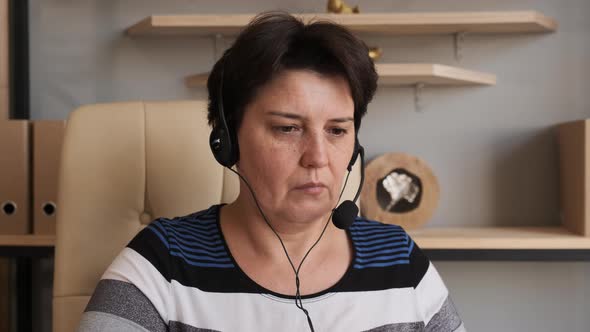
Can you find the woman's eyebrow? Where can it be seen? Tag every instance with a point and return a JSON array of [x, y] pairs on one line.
[[299, 117], [341, 120], [286, 115]]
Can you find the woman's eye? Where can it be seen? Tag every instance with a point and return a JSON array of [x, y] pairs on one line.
[[338, 131], [286, 129]]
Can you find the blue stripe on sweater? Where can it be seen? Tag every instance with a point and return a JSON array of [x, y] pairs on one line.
[[379, 245]]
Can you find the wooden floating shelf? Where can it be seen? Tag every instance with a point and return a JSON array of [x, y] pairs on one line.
[[388, 23], [512, 238], [405, 75], [29, 240], [433, 74], [197, 80]]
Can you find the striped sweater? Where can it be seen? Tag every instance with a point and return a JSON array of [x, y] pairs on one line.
[[178, 275]]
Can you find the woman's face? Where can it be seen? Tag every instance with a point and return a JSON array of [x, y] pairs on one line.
[[296, 140]]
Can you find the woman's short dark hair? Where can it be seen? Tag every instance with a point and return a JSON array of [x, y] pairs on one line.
[[276, 41]]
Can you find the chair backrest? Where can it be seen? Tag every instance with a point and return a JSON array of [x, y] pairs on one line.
[[123, 165]]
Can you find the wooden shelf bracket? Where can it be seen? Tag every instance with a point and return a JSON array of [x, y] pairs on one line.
[[458, 41], [418, 88]]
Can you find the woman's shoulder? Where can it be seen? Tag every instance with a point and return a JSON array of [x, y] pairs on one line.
[[202, 221], [367, 230], [199, 227], [193, 240], [371, 235], [205, 216], [381, 245]]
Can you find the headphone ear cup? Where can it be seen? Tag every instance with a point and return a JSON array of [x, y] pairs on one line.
[[355, 154], [222, 148]]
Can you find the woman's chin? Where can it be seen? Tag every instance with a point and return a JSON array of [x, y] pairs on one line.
[[309, 210]]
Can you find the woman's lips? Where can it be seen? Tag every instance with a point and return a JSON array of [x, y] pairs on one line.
[[312, 188]]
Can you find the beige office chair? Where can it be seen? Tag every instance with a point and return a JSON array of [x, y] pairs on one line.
[[123, 165]]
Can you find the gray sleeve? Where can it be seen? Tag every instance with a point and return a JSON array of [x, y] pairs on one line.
[[461, 328], [94, 321], [446, 319], [120, 306]]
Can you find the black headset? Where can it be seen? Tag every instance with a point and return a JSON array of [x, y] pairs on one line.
[[221, 140]]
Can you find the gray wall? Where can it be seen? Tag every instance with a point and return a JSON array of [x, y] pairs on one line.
[[492, 148]]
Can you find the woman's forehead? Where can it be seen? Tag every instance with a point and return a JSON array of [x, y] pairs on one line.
[[305, 94]]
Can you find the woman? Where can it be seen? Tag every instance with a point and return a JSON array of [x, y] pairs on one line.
[[286, 102]]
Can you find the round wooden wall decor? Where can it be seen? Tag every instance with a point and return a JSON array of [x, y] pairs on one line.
[[399, 189]]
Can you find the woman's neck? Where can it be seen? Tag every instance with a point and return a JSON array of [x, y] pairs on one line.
[[243, 218], [260, 255]]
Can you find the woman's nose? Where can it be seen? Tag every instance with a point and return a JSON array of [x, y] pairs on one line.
[[315, 154]]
